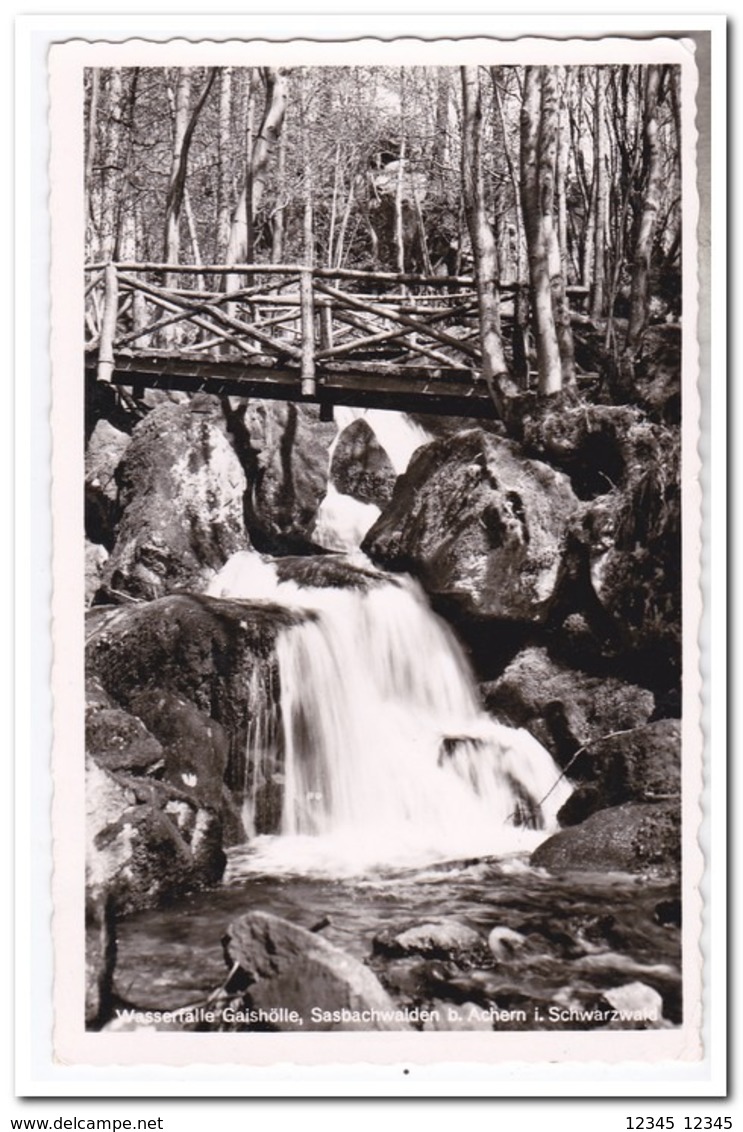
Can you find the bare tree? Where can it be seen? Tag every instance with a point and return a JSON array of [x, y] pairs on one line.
[[534, 167], [495, 369], [184, 125], [600, 197], [241, 241], [640, 294], [224, 209]]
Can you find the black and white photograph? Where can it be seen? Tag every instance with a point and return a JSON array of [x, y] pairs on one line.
[[380, 494]]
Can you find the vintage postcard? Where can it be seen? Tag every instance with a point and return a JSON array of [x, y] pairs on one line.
[[377, 511]]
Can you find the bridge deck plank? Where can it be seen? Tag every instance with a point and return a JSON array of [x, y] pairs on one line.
[[364, 385]]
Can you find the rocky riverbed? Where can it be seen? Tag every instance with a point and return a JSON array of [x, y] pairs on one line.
[[554, 558]]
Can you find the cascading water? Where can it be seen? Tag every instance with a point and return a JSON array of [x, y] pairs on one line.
[[387, 758], [342, 521]]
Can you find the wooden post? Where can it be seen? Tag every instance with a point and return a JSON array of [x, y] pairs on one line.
[[326, 325], [308, 332], [108, 324]]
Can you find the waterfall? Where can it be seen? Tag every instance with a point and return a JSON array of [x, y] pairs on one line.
[[387, 757], [342, 521]]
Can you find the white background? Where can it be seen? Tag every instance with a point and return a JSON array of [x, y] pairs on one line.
[[32, 958]]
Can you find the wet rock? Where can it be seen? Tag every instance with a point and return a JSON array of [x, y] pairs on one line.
[[330, 570], [120, 741], [594, 444], [96, 557], [626, 549], [481, 986], [217, 654], [668, 913], [284, 449], [105, 451], [633, 838], [635, 1002], [360, 467], [640, 765], [562, 707], [415, 979], [195, 747], [479, 524], [503, 942], [181, 497], [281, 963], [633, 543], [442, 939], [146, 842]]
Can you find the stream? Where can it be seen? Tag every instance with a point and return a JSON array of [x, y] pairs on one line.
[[584, 934], [402, 802]]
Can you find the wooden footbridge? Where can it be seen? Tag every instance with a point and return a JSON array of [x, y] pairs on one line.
[[325, 335]]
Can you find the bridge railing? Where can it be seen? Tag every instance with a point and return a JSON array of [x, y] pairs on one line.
[[311, 319]]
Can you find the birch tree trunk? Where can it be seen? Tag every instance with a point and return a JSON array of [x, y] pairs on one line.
[[277, 237], [640, 293], [171, 248], [441, 129], [242, 226], [537, 240], [108, 224], [601, 181], [241, 241], [548, 140], [519, 234], [307, 313], [91, 152], [563, 153], [184, 126], [224, 209], [495, 370], [399, 228]]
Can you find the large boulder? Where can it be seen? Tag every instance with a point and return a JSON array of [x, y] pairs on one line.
[[217, 657], [281, 964], [480, 524], [641, 765], [195, 747], [103, 455], [146, 841], [440, 939], [564, 708], [628, 537], [360, 467], [627, 540], [284, 449], [118, 740], [633, 542], [601, 447], [181, 497], [633, 838]]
